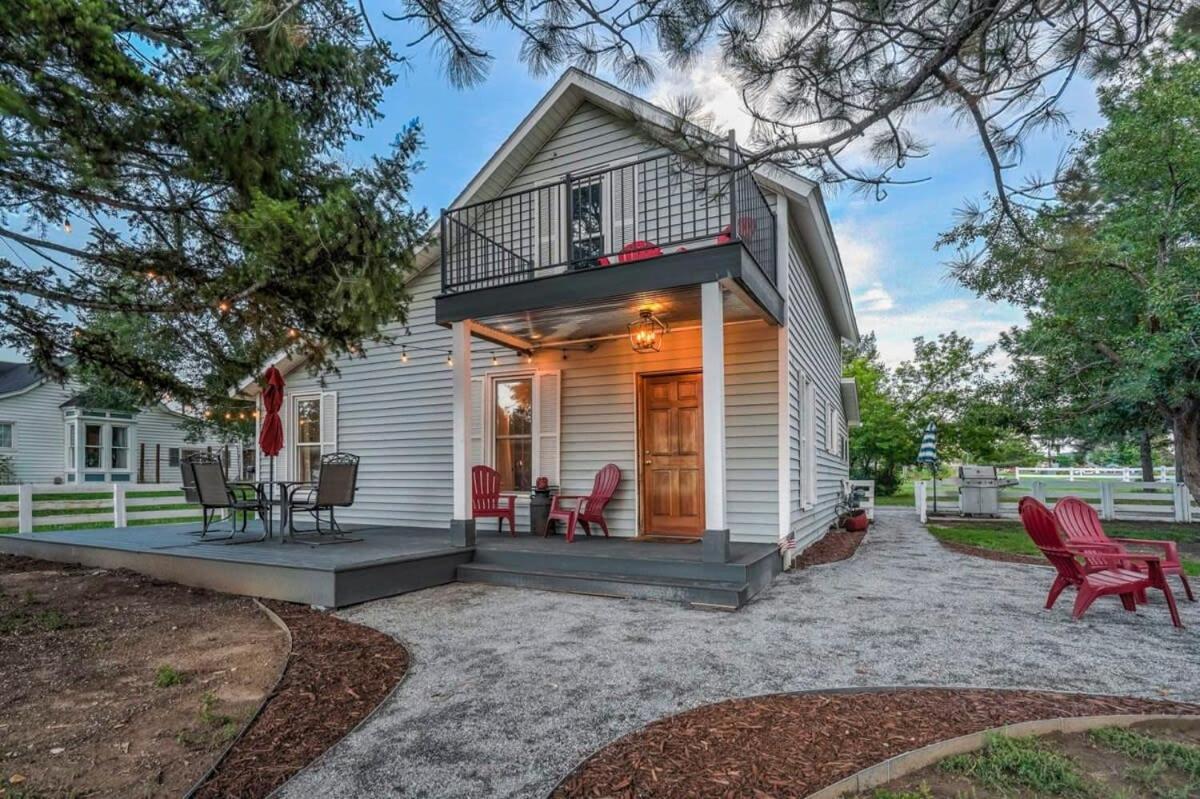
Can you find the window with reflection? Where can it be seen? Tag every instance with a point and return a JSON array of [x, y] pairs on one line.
[[587, 238], [513, 426], [308, 438], [119, 450], [93, 446]]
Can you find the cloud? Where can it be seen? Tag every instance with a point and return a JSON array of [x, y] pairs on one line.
[[874, 300], [978, 319]]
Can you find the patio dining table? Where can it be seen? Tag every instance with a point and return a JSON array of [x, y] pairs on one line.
[[271, 494]]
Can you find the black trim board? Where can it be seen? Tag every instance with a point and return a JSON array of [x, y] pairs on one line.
[[676, 270]]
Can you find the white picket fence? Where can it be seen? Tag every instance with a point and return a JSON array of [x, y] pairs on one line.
[[1119, 501], [1126, 474], [39, 506]]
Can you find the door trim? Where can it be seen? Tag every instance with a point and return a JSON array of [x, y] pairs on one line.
[[640, 415]]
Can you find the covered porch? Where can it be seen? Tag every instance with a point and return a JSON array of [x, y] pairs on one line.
[[654, 404]]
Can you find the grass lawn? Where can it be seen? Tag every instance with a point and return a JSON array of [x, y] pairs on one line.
[[1010, 537]]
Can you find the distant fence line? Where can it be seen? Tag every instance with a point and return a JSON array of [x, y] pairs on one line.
[[1117, 501], [27, 507], [1126, 474]]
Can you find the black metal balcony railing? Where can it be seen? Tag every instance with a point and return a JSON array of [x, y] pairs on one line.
[[657, 206]]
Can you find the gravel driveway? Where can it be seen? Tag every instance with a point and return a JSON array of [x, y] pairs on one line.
[[510, 688]]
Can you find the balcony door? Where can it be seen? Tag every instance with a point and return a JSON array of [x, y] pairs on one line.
[[671, 446]]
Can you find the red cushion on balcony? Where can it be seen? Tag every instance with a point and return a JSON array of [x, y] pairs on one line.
[[639, 251]]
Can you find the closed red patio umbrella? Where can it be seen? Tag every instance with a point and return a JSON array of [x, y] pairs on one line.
[[270, 436]]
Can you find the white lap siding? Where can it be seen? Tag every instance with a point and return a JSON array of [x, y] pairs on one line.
[[813, 352], [396, 417], [38, 454]]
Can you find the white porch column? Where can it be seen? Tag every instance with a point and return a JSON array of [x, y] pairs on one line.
[[783, 370], [462, 526], [712, 333]]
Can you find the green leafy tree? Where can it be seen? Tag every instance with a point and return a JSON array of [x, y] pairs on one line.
[[947, 381], [174, 206], [1109, 274], [885, 441]]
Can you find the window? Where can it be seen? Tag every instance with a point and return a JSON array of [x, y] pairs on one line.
[[6, 435], [308, 438], [118, 451], [71, 464], [587, 239], [513, 437], [173, 456], [93, 446]]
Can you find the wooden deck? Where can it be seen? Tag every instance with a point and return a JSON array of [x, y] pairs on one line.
[[396, 560]]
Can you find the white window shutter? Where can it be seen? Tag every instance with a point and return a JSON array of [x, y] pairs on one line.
[[810, 401], [831, 429], [329, 422], [477, 413], [620, 211], [550, 217], [547, 431]]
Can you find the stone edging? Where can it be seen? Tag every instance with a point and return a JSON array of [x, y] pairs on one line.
[[287, 659], [917, 759]]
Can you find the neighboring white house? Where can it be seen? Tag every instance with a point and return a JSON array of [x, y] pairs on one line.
[[51, 438], [519, 351]]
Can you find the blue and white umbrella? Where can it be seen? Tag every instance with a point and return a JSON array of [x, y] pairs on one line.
[[928, 452]]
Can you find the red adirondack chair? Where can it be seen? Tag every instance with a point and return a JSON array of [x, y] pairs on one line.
[[1081, 525], [1090, 585], [486, 502], [587, 509]]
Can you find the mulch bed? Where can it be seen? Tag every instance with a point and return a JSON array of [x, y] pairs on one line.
[[789, 745], [836, 545], [991, 554], [337, 674]]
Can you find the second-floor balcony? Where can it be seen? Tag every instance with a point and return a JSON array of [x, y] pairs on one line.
[[651, 224]]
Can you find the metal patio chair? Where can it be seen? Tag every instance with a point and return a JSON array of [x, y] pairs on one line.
[[337, 482], [214, 494]]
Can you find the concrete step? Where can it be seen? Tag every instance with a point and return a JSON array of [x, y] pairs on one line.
[[723, 595]]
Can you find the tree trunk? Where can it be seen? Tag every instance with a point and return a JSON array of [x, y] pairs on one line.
[[1186, 422], [1147, 453]]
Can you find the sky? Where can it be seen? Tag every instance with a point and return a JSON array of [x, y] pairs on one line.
[[897, 278]]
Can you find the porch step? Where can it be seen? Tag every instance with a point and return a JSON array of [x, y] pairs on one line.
[[750, 565], [709, 593]]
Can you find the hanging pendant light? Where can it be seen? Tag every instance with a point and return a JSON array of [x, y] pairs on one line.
[[645, 335]]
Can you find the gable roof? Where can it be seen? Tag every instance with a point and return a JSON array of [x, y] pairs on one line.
[[571, 90], [576, 87], [17, 377]]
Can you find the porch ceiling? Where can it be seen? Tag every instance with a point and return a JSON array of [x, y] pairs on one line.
[[610, 316]]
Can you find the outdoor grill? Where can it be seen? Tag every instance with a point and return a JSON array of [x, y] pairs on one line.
[[979, 490]]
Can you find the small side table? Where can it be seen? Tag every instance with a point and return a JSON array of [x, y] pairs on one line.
[[539, 511]]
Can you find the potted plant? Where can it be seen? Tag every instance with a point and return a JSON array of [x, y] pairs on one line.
[[851, 517]]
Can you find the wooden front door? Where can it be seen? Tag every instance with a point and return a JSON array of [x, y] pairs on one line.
[[671, 445]]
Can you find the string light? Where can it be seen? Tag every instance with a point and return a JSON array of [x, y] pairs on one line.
[[228, 416], [67, 226], [150, 275], [495, 360], [404, 355], [223, 307], [293, 332], [242, 415], [449, 359], [208, 414], [529, 357]]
